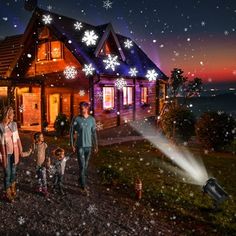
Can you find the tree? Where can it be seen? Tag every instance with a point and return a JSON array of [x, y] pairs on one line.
[[192, 88], [178, 123], [178, 83], [215, 130]]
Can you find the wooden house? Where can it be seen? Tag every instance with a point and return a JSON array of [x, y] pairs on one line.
[[59, 62]]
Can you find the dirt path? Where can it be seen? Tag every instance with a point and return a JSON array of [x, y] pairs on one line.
[[104, 212]]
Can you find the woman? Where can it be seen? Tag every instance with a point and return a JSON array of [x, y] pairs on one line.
[[10, 151]]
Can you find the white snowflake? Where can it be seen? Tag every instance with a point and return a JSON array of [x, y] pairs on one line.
[[99, 126], [78, 25], [99, 95], [21, 108], [151, 75], [107, 4], [21, 220], [70, 72], [203, 23], [90, 38], [133, 72], [88, 69], [226, 32], [81, 93], [128, 44], [92, 209], [49, 7], [120, 83], [47, 19], [111, 62]]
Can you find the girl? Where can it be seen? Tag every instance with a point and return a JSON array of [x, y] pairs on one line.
[[10, 152], [42, 162]]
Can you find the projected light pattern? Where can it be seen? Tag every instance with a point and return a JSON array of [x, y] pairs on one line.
[[192, 169]]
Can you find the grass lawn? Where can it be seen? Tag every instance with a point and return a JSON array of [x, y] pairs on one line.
[[120, 164]]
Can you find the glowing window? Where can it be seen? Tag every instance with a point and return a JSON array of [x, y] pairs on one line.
[[42, 52], [127, 96], [108, 98], [144, 95], [56, 52]]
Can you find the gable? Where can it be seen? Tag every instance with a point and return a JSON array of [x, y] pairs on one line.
[[109, 44]]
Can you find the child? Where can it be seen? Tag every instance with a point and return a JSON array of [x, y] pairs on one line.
[[59, 169], [43, 162]]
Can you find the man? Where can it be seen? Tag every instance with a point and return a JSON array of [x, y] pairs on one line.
[[84, 126]]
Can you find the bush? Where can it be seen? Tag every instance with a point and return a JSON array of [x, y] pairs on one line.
[[62, 124], [178, 123], [215, 130]]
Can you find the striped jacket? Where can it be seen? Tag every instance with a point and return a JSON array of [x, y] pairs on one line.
[[17, 147]]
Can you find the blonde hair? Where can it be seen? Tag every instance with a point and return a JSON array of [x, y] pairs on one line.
[[6, 111]]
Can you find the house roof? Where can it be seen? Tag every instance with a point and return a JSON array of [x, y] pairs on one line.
[[9, 48], [63, 28]]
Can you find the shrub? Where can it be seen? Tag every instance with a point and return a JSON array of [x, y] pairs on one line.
[[215, 130], [178, 123], [61, 124]]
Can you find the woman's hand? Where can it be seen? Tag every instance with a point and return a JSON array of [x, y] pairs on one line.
[[73, 148]]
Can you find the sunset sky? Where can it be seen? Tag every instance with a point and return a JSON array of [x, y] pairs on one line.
[[198, 36]]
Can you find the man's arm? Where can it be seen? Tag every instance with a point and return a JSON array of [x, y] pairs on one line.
[[94, 136]]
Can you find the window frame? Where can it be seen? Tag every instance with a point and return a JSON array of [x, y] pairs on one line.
[[132, 96], [141, 95], [112, 96], [61, 50], [48, 45]]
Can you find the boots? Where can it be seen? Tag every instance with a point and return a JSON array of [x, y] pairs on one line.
[[13, 190], [8, 196], [45, 192]]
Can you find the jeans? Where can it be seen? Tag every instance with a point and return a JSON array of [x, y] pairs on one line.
[[9, 172], [41, 176], [84, 154], [58, 181]]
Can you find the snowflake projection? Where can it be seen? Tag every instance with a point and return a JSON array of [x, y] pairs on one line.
[[49, 7], [99, 95], [47, 19], [92, 209], [151, 75], [21, 220], [81, 93], [88, 69], [90, 38], [21, 108], [107, 4], [128, 44], [226, 32], [133, 72], [99, 126], [70, 72], [203, 23], [78, 25], [120, 83], [111, 62]]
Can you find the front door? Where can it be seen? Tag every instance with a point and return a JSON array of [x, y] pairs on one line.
[[54, 107], [31, 109]]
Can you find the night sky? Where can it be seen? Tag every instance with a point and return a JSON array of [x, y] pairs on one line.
[[198, 36]]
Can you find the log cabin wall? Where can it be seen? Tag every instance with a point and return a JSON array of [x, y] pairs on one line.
[[109, 118]]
